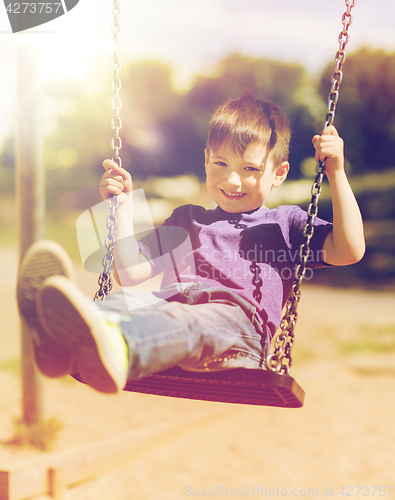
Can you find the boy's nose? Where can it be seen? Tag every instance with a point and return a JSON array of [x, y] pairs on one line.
[[233, 180]]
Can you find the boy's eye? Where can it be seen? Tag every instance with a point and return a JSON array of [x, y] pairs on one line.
[[252, 169], [220, 163]]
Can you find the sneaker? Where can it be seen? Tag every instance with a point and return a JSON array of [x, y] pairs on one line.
[[42, 260], [70, 319]]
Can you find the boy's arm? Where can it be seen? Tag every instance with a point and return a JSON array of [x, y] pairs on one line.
[[345, 244], [130, 265]]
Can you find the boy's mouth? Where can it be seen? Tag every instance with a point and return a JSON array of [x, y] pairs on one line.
[[232, 195]]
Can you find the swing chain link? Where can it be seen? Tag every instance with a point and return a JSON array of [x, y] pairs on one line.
[[116, 142], [340, 58], [280, 360], [105, 281], [256, 281]]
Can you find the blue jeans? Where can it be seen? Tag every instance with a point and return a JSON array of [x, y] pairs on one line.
[[198, 328]]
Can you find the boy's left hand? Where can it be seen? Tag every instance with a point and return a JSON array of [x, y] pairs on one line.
[[329, 147]]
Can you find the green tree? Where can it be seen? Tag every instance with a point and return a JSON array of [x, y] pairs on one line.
[[365, 114], [155, 129], [365, 118], [271, 80], [78, 142]]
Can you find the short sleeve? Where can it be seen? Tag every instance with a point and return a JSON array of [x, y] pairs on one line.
[[160, 245], [322, 228]]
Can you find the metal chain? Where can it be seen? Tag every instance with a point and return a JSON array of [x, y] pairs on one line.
[[105, 281], [256, 281], [281, 359], [116, 142]]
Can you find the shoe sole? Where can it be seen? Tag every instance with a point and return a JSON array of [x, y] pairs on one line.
[[42, 260], [68, 317]]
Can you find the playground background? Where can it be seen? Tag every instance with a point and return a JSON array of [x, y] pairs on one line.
[[343, 438]]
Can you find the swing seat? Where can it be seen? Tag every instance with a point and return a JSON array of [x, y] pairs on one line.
[[238, 385]]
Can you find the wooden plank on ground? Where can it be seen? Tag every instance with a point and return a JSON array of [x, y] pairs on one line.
[[52, 474]]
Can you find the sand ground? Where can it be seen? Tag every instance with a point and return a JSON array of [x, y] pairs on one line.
[[344, 436]]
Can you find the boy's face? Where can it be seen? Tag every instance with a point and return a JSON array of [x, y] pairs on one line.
[[242, 184]]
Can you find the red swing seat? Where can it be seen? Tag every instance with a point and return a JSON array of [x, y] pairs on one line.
[[239, 385]]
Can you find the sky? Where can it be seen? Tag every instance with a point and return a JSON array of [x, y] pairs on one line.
[[192, 36]]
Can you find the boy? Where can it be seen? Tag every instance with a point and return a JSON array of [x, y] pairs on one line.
[[227, 271]]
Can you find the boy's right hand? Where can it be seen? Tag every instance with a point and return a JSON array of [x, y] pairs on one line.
[[115, 181]]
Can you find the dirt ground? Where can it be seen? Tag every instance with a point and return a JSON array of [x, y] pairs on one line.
[[340, 444]]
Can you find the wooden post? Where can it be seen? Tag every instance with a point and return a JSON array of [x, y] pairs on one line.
[[56, 483], [30, 197]]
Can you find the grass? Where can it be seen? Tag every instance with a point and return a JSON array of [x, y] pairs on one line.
[[39, 436], [8, 234], [11, 365], [62, 231], [371, 339]]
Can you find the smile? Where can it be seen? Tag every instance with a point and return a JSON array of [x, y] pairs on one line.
[[232, 195]]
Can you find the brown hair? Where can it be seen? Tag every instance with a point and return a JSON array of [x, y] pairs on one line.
[[244, 121]]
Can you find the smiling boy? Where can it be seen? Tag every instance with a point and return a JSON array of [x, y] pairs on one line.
[[246, 154], [225, 281], [242, 183]]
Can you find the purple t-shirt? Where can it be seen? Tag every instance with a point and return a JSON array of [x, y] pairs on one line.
[[252, 254]]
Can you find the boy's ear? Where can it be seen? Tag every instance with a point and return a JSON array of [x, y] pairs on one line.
[[281, 174]]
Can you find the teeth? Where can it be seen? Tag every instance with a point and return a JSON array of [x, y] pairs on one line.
[[233, 194]]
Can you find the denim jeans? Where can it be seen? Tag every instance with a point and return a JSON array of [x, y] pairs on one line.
[[197, 327]]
